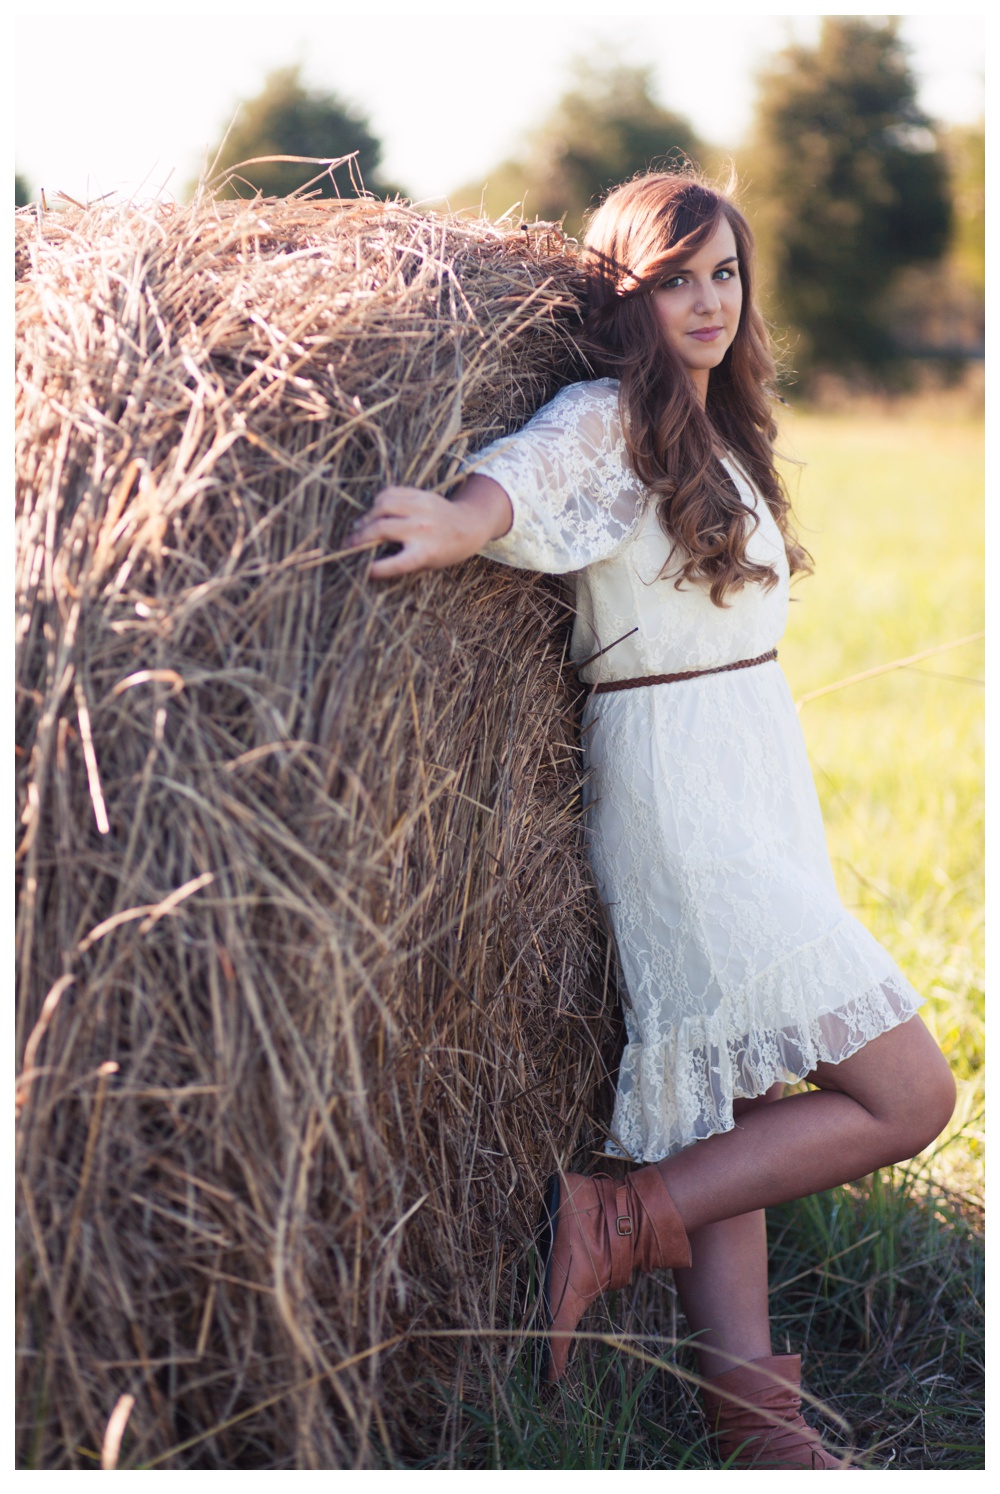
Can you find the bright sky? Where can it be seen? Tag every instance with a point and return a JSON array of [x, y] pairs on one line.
[[118, 102]]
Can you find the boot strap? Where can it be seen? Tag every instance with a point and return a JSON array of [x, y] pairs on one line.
[[622, 1230], [668, 1230]]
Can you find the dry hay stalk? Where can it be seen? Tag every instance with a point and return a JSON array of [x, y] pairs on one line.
[[310, 974]]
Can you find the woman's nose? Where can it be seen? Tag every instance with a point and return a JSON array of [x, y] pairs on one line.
[[708, 297]]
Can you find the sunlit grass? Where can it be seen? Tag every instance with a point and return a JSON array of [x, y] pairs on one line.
[[891, 509]]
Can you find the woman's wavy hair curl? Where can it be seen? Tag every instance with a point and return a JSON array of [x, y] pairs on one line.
[[641, 233]]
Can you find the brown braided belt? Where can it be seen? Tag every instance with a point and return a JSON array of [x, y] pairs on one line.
[[689, 674]]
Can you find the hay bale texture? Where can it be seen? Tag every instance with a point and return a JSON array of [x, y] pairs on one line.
[[310, 968]]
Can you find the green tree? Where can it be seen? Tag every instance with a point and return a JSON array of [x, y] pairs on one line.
[[965, 150], [286, 119], [852, 187], [606, 127], [939, 311], [22, 192]]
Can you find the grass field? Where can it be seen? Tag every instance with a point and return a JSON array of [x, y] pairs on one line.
[[878, 1285], [892, 512]]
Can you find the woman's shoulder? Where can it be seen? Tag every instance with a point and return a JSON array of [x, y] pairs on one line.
[[592, 393], [589, 408]]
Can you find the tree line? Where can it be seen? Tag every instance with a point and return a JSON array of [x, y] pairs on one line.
[[869, 216]]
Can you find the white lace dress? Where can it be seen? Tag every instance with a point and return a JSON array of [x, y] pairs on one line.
[[742, 966]]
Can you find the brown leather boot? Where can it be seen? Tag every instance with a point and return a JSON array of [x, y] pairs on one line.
[[770, 1431], [594, 1232]]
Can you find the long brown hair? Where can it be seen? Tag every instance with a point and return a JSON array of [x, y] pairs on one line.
[[643, 231]]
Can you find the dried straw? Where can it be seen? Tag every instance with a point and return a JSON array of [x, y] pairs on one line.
[[310, 968]]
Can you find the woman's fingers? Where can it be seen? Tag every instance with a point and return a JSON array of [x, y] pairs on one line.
[[432, 532], [393, 506], [411, 531], [403, 502], [377, 529], [424, 525], [365, 527], [408, 559]]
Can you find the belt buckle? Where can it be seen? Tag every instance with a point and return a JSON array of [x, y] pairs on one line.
[[624, 1224]]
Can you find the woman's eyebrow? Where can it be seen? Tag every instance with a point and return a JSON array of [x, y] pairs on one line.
[[731, 259]]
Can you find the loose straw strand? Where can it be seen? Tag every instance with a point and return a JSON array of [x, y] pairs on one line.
[[868, 674]]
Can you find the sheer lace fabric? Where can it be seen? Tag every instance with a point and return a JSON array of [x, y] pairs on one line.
[[742, 967]]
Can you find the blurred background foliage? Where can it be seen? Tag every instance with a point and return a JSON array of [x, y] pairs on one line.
[[869, 215], [287, 119], [606, 126], [850, 186]]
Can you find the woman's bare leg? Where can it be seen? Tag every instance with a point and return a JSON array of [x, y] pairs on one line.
[[883, 1105], [724, 1291]]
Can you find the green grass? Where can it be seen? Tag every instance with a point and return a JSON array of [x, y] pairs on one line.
[[879, 1285], [892, 512]]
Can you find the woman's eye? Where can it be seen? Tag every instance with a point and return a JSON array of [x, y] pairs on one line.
[[674, 281], [724, 274]]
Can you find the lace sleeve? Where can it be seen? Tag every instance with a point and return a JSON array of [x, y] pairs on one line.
[[566, 473]]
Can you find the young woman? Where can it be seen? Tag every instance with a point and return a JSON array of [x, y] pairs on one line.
[[654, 488]]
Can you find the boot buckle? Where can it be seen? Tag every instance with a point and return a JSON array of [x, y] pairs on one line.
[[624, 1224]]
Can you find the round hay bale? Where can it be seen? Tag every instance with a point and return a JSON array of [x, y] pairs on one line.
[[311, 975]]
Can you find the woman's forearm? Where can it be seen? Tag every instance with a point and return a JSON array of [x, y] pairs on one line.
[[489, 507]]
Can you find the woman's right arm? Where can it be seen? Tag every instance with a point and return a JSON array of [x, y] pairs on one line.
[[433, 532], [556, 496]]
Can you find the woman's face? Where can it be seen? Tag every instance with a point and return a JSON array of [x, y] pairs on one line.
[[698, 305]]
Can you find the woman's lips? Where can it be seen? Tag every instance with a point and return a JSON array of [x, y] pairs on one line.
[[706, 334]]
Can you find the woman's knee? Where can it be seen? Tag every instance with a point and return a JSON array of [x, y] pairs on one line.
[[922, 1111], [939, 1097], [903, 1080]]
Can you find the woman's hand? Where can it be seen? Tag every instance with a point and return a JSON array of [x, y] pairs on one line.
[[433, 532]]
